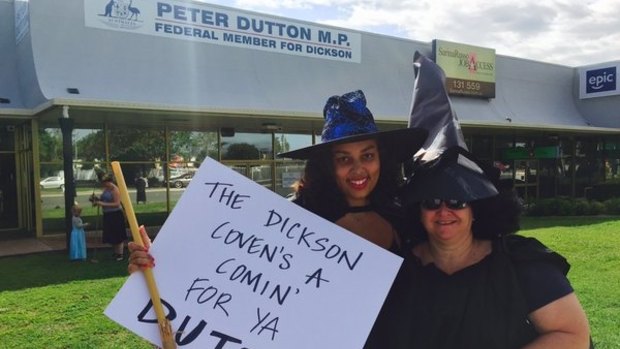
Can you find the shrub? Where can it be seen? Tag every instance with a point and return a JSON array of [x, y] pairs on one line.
[[581, 207], [597, 207], [612, 206], [571, 207], [604, 191]]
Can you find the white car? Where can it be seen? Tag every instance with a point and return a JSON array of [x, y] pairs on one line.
[[54, 182]]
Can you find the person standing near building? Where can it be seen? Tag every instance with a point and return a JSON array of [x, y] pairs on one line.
[[114, 231], [141, 185]]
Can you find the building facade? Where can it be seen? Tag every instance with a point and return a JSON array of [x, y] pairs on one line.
[[160, 85]]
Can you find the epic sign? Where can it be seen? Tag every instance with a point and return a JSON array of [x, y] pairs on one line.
[[600, 80]]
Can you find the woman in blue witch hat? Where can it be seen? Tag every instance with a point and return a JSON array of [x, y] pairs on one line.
[[351, 178], [474, 283]]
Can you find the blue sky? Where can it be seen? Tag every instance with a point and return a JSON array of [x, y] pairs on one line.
[[566, 32]]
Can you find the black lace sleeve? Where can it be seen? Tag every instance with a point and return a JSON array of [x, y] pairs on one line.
[[541, 272]]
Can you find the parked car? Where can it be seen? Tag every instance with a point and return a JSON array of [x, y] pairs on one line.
[[181, 181], [53, 182]]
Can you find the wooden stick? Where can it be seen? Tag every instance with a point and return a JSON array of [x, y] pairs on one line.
[[165, 330]]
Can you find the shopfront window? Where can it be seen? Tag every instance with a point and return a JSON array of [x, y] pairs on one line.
[[289, 172], [88, 167], [50, 144], [589, 167], [503, 161], [135, 144], [290, 141], [52, 178], [247, 146], [194, 146], [7, 137], [188, 149], [612, 160], [482, 147], [157, 166], [87, 152]]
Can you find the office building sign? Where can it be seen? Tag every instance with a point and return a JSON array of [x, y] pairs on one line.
[[599, 80], [470, 70], [219, 25]]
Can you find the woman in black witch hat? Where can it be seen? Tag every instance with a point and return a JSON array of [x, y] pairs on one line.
[[351, 178], [474, 283]]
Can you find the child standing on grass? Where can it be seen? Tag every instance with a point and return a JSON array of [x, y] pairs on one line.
[[77, 246]]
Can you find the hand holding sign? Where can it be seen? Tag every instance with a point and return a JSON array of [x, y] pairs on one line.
[[139, 258], [238, 266]]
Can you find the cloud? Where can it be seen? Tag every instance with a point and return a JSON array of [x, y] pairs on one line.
[[558, 31]]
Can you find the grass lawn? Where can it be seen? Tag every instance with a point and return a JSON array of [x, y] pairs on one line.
[[46, 301], [592, 247]]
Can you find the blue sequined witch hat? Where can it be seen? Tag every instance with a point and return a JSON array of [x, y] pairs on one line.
[[347, 119]]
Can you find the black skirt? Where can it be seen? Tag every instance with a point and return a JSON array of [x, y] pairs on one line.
[[114, 231]]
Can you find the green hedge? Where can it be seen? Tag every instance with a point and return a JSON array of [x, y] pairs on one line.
[[573, 207], [604, 191]]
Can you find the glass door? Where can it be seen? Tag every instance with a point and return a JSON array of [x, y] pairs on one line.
[[8, 191], [526, 178]]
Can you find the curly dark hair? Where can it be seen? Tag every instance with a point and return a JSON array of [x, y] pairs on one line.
[[318, 192], [496, 216]]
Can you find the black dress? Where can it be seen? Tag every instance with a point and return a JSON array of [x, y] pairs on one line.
[[114, 231], [485, 305], [140, 190]]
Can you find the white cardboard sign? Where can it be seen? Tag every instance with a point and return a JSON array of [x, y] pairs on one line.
[[240, 267]]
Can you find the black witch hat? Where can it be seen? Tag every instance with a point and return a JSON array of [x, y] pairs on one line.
[[432, 110], [442, 168], [456, 174]]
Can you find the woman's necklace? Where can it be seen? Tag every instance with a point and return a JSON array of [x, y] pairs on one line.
[[359, 213]]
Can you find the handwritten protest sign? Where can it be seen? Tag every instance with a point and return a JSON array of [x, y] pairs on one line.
[[238, 266]]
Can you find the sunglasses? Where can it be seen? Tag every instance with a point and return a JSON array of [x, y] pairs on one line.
[[435, 204]]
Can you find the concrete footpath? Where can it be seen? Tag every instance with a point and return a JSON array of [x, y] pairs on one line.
[[54, 242], [47, 243]]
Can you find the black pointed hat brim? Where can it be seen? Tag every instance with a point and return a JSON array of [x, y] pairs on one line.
[[456, 174], [452, 182], [401, 144]]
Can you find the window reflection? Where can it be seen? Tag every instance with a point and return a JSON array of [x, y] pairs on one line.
[[287, 142], [193, 146], [134, 144], [7, 137], [247, 146], [163, 163], [289, 172]]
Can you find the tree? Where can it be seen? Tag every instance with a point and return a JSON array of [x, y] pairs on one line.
[[193, 144], [92, 146], [281, 144], [241, 151], [50, 144]]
